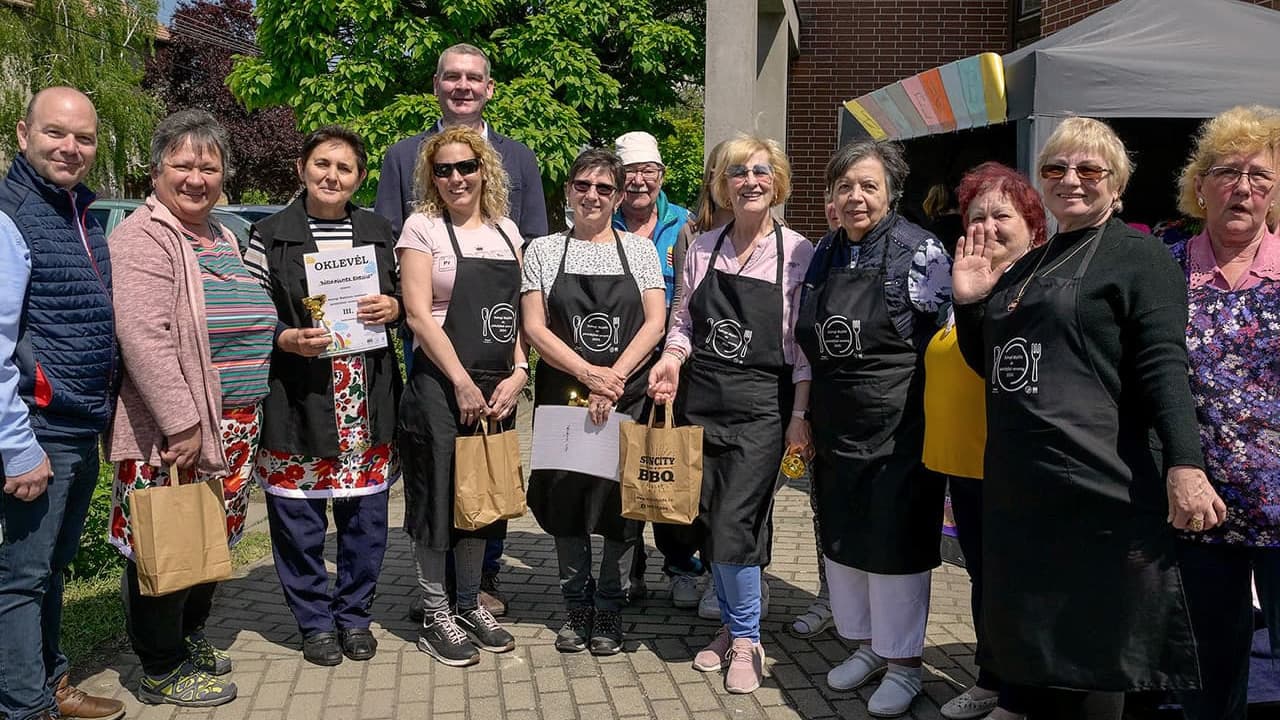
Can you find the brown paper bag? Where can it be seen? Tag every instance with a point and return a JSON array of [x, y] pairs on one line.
[[661, 470], [179, 535], [488, 482]]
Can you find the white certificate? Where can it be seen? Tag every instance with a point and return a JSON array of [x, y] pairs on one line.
[[336, 280], [564, 438]]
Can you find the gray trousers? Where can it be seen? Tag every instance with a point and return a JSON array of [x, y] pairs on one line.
[[468, 557]]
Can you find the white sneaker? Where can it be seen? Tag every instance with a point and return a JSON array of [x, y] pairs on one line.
[[857, 670], [684, 592], [709, 605], [899, 687]]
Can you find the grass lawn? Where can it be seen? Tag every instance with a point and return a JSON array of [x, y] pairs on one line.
[[93, 616]]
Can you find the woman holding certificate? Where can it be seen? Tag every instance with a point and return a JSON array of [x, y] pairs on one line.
[[195, 332], [328, 422], [460, 269], [745, 382], [594, 306]]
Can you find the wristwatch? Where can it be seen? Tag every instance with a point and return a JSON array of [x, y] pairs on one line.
[[522, 366], [802, 414]]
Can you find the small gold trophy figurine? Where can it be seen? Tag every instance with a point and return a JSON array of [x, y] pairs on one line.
[[793, 465], [314, 304], [575, 400]]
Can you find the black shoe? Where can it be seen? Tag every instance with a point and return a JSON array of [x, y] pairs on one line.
[[446, 642], [418, 610], [576, 631], [606, 633], [322, 649], [485, 631], [358, 643], [637, 591], [491, 597]]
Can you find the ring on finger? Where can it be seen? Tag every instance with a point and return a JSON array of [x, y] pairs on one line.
[[1196, 524]]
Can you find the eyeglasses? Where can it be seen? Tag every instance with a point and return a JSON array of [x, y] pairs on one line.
[[1086, 173], [740, 172], [464, 168], [1261, 181], [602, 189], [648, 172]]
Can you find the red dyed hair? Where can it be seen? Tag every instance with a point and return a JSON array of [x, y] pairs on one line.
[[1024, 198]]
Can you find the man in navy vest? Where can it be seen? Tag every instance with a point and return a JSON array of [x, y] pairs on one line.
[[463, 87], [57, 367]]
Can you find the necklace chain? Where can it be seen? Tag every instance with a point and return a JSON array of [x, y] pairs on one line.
[[1039, 261]]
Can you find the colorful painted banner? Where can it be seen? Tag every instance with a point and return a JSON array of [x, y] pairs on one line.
[[966, 93]]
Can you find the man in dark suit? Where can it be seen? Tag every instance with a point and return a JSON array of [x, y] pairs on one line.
[[463, 86]]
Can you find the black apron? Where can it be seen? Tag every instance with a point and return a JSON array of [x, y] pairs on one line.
[[737, 386], [880, 510], [481, 323], [597, 316], [1081, 587]]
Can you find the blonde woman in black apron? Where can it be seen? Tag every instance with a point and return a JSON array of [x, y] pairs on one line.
[[594, 307], [1093, 449], [745, 382], [460, 273]]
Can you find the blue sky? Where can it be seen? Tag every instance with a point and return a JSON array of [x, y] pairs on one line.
[[166, 10]]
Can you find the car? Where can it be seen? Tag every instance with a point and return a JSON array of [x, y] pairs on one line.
[[252, 213], [111, 212]]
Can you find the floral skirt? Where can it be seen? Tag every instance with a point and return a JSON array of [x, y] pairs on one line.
[[240, 428], [360, 467]]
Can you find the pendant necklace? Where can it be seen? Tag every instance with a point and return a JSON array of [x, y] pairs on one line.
[[1022, 290]]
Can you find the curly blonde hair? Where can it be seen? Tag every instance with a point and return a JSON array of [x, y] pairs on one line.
[[493, 197], [1238, 131]]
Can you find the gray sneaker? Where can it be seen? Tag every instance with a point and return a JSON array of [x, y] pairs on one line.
[[684, 591]]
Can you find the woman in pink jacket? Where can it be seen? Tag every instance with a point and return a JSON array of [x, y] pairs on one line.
[[195, 332]]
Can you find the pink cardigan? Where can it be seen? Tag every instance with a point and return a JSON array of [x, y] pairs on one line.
[[169, 381]]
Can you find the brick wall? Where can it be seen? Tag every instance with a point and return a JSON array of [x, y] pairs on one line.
[[850, 47], [1057, 14]]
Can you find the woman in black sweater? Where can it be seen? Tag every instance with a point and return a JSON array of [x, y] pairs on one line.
[[1092, 447]]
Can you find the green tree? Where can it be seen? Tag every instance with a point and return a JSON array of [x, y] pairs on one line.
[[569, 72], [682, 152], [98, 47]]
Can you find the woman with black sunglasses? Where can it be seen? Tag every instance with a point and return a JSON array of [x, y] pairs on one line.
[[594, 306], [1092, 446], [460, 272]]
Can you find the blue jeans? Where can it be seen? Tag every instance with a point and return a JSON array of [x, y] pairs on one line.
[[41, 538], [738, 592]]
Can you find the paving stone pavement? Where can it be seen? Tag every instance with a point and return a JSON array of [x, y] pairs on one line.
[[652, 678]]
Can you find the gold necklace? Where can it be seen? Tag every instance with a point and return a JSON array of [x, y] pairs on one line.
[[1022, 290]]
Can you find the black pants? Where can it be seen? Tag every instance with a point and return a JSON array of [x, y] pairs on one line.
[[1215, 579], [679, 547], [966, 508], [158, 626], [1053, 704]]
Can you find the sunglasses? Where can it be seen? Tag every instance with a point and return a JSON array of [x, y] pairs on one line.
[[1086, 173], [602, 189], [740, 172], [464, 168]]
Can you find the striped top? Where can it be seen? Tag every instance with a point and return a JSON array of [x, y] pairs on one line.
[[241, 320], [328, 234]]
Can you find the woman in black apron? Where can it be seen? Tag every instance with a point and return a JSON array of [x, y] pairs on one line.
[[745, 383], [594, 306], [871, 303], [1092, 445], [460, 272]]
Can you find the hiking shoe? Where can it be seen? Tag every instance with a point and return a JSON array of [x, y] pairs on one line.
[[606, 633], [716, 654], [684, 592], [746, 666], [322, 649], [576, 631], [186, 686], [358, 643], [446, 642], [490, 596], [204, 656], [484, 630]]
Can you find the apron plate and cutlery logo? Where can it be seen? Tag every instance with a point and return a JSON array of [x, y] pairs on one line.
[[1017, 367], [839, 337], [597, 332], [728, 339], [499, 323]]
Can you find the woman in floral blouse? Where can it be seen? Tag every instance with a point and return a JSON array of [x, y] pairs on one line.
[[1233, 341], [329, 421]]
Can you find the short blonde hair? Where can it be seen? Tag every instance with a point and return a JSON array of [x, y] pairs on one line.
[[740, 149], [1082, 134], [1238, 131], [493, 196]]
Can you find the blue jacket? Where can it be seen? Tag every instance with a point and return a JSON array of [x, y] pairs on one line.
[[528, 206], [63, 345], [671, 218]]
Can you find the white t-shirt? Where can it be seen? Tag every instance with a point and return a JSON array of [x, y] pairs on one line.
[[429, 235], [542, 261]]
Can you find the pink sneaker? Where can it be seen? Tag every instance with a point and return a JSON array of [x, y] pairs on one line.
[[714, 656], [746, 667]]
